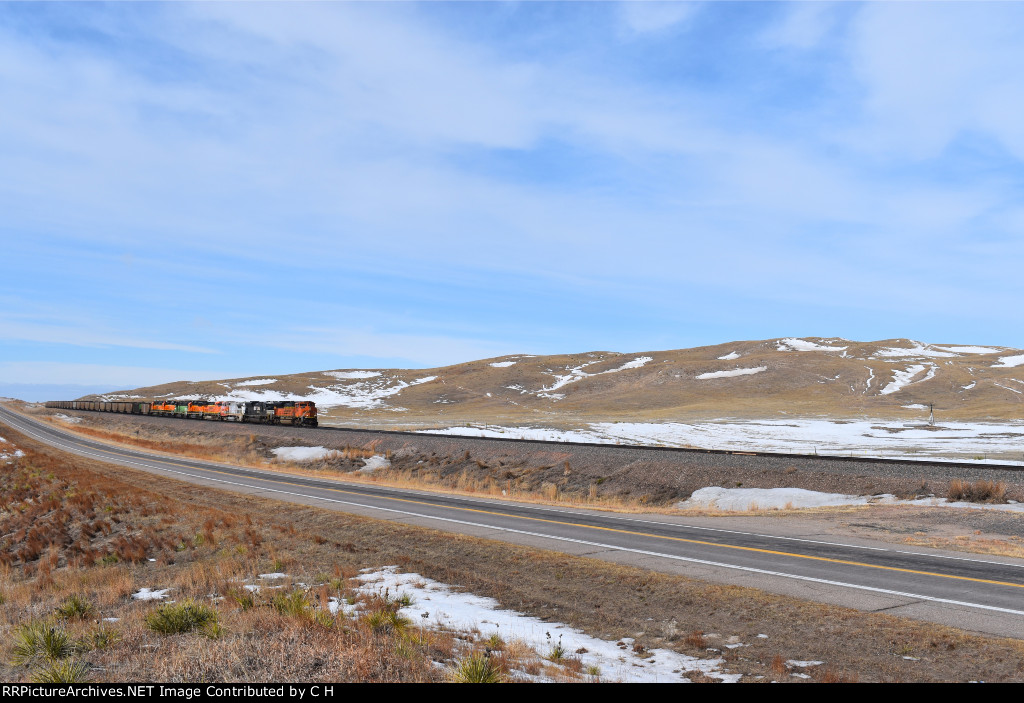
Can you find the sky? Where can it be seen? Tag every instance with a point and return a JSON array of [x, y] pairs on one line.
[[217, 190]]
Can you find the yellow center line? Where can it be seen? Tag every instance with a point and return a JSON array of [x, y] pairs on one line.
[[609, 529]]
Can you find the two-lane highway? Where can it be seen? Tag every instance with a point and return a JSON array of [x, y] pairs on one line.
[[976, 592]]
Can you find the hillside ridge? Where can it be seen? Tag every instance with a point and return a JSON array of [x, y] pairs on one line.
[[759, 378]]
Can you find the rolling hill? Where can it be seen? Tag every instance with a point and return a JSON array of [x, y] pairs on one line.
[[837, 378]]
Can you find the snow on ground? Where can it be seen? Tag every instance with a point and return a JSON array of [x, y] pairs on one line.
[[970, 350], [1009, 362], [151, 594], [368, 391], [68, 418], [730, 373], [740, 499], [352, 374], [438, 605], [900, 379], [877, 438], [793, 344], [576, 373], [257, 382], [9, 456], [743, 499], [301, 453], [375, 462], [502, 364], [918, 350], [915, 406], [729, 357]]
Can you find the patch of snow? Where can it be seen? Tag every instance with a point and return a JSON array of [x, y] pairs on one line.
[[729, 357], [902, 378], [870, 378], [68, 418], [794, 344], [1009, 362], [957, 441], [151, 594], [744, 499], [969, 386], [577, 373], [352, 374], [502, 364], [918, 350], [301, 453], [1008, 388], [634, 364], [733, 372], [257, 382], [375, 462], [802, 664], [274, 575], [740, 499], [436, 603], [367, 393], [111, 619], [970, 350], [915, 406]]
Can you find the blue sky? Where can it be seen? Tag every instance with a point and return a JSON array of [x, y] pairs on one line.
[[203, 190]]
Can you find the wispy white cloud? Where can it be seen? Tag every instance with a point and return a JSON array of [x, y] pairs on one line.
[[64, 373], [644, 16]]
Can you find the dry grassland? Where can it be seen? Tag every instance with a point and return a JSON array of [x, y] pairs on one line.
[[72, 527]]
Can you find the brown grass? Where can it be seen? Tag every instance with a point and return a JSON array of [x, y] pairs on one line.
[[977, 492], [254, 535]]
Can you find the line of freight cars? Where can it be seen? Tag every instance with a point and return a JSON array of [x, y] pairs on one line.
[[301, 413]]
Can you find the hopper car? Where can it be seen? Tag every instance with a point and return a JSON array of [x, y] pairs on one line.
[[300, 413]]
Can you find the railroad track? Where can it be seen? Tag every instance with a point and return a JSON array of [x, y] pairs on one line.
[[977, 592]]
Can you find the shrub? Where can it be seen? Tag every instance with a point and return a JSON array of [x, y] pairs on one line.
[[38, 640], [75, 607], [294, 603], [100, 638], [68, 671], [387, 620], [177, 618], [697, 639], [244, 598], [476, 668], [977, 492]]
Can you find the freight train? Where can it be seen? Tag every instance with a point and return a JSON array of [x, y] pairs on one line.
[[300, 413]]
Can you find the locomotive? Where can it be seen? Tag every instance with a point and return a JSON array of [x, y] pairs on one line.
[[300, 413]]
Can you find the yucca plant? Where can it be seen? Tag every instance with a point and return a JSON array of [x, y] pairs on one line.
[[75, 606], [66, 671], [294, 603], [100, 638], [476, 668], [387, 620], [176, 618], [41, 640]]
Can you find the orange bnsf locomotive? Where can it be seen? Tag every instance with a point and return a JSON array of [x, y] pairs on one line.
[[300, 413]]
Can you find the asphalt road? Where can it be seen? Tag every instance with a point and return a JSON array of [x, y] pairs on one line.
[[979, 593]]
